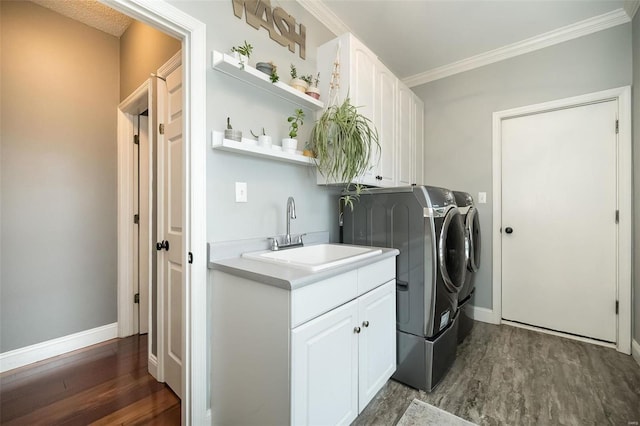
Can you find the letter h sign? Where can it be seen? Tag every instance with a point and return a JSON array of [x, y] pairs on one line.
[[281, 25]]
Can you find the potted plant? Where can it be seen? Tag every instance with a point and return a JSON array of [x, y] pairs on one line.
[[266, 67], [242, 53], [290, 144], [229, 133], [263, 140], [344, 141], [308, 150], [274, 77], [296, 82], [313, 90]]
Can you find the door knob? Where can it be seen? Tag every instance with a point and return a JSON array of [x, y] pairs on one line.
[[356, 330], [164, 244], [365, 323], [508, 230]]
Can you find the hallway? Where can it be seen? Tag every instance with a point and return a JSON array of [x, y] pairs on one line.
[[105, 384]]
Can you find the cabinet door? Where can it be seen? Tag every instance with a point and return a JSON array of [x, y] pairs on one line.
[[405, 138], [418, 114], [377, 351], [385, 123], [324, 370], [363, 94]]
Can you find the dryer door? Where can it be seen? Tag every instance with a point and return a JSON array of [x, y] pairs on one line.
[[473, 235], [452, 258]]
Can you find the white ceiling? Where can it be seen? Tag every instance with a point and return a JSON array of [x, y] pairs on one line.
[[90, 12], [414, 37]]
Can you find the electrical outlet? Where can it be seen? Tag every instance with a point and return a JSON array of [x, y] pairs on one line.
[[482, 197], [241, 192]]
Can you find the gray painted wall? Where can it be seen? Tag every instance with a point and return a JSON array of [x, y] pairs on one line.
[[58, 175], [458, 113], [143, 50], [636, 170], [269, 182]]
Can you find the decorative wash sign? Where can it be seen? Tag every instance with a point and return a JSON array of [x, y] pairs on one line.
[[281, 25]]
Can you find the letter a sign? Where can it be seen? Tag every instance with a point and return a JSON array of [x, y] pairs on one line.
[[281, 25]]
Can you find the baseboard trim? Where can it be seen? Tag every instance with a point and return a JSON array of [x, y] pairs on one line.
[[152, 363], [40, 351], [560, 334], [635, 350], [484, 315]]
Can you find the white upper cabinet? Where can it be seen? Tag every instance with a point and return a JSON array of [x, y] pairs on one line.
[[410, 138], [377, 92]]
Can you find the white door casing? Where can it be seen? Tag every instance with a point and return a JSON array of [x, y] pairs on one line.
[[170, 220], [559, 202], [145, 197], [161, 15], [623, 97]]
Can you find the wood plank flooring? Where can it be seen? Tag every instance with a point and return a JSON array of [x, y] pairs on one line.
[[505, 375], [105, 384]]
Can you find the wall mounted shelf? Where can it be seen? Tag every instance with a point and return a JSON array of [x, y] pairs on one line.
[[229, 65], [250, 147]]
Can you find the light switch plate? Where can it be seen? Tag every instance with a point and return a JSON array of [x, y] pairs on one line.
[[482, 197], [241, 192]]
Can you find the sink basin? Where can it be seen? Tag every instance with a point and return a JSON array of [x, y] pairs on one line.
[[315, 258]]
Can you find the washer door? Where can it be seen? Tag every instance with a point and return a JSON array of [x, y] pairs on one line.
[[452, 257], [473, 234]]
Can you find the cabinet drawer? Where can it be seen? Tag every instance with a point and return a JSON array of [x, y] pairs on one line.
[[315, 299], [375, 275]]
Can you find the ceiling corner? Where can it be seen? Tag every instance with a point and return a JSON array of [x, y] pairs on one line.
[[631, 7], [320, 11]]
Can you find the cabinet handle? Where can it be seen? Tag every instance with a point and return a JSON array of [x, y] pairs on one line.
[[356, 330], [379, 177], [365, 323]]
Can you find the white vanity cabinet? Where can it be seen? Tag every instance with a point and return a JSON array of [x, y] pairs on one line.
[[310, 354], [341, 359]]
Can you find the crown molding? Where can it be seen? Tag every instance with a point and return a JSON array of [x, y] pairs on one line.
[[319, 10], [560, 35], [631, 7]]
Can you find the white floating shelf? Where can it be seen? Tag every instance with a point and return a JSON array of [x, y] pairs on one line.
[[251, 147], [231, 66]]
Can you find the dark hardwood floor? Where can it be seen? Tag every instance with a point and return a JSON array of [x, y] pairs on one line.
[[105, 384], [505, 375]]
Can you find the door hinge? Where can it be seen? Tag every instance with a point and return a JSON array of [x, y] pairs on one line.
[[161, 129], [617, 127], [190, 257], [617, 307], [136, 298], [136, 219], [617, 216], [136, 139]]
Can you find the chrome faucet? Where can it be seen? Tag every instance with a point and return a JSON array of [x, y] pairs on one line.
[[291, 214], [287, 241]]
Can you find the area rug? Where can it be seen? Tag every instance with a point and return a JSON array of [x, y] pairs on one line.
[[421, 413]]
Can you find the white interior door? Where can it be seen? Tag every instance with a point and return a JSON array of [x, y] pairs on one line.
[[170, 202], [144, 228], [559, 204]]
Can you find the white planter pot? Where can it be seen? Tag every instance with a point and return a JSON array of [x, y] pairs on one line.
[[299, 84], [241, 58], [289, 145], [314, 92], [265, 141]]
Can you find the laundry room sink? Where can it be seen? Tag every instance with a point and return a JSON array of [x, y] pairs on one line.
[[315, 258]]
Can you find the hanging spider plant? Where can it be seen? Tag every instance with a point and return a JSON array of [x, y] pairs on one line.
[[343, 141]]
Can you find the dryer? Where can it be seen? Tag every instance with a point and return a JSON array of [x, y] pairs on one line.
[[424, 224], [468, 210]]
